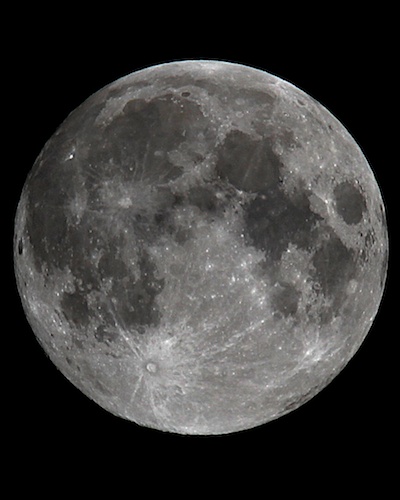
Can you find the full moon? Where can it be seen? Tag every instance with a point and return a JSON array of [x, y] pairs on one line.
[[200, 247]]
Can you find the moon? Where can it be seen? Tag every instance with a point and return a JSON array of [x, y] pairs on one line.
[[200, 247]]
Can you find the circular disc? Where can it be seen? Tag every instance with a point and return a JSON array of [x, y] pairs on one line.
[[200, 247]]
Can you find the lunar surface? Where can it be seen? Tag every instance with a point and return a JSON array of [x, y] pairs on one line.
[[200, 247]]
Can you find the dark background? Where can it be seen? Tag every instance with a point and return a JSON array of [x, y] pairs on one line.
[[349, 66]]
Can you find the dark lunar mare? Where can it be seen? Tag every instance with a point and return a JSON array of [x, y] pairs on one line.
[[273, 220], [248, 163], [59, 244], [133, 297]]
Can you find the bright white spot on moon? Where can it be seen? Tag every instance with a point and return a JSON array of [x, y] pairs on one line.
[[125, 202], [352, 286], [151, 367]]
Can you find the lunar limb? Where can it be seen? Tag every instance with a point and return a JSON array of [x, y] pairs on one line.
[[201, 247]]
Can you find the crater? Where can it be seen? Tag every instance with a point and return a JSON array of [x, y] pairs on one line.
[[151, 367], [350, 203]]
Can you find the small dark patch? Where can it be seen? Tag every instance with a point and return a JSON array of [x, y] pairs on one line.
[[285, 300], [105, 335], [20, 247], [326, 314], [185, 94], [273, 220], [350, 203], [182, 235], [178, 200], [161, 217], [249, 164], [77, 342], [163, 222], [139, 105], [202, 198], [75, 308], [112, 266]]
